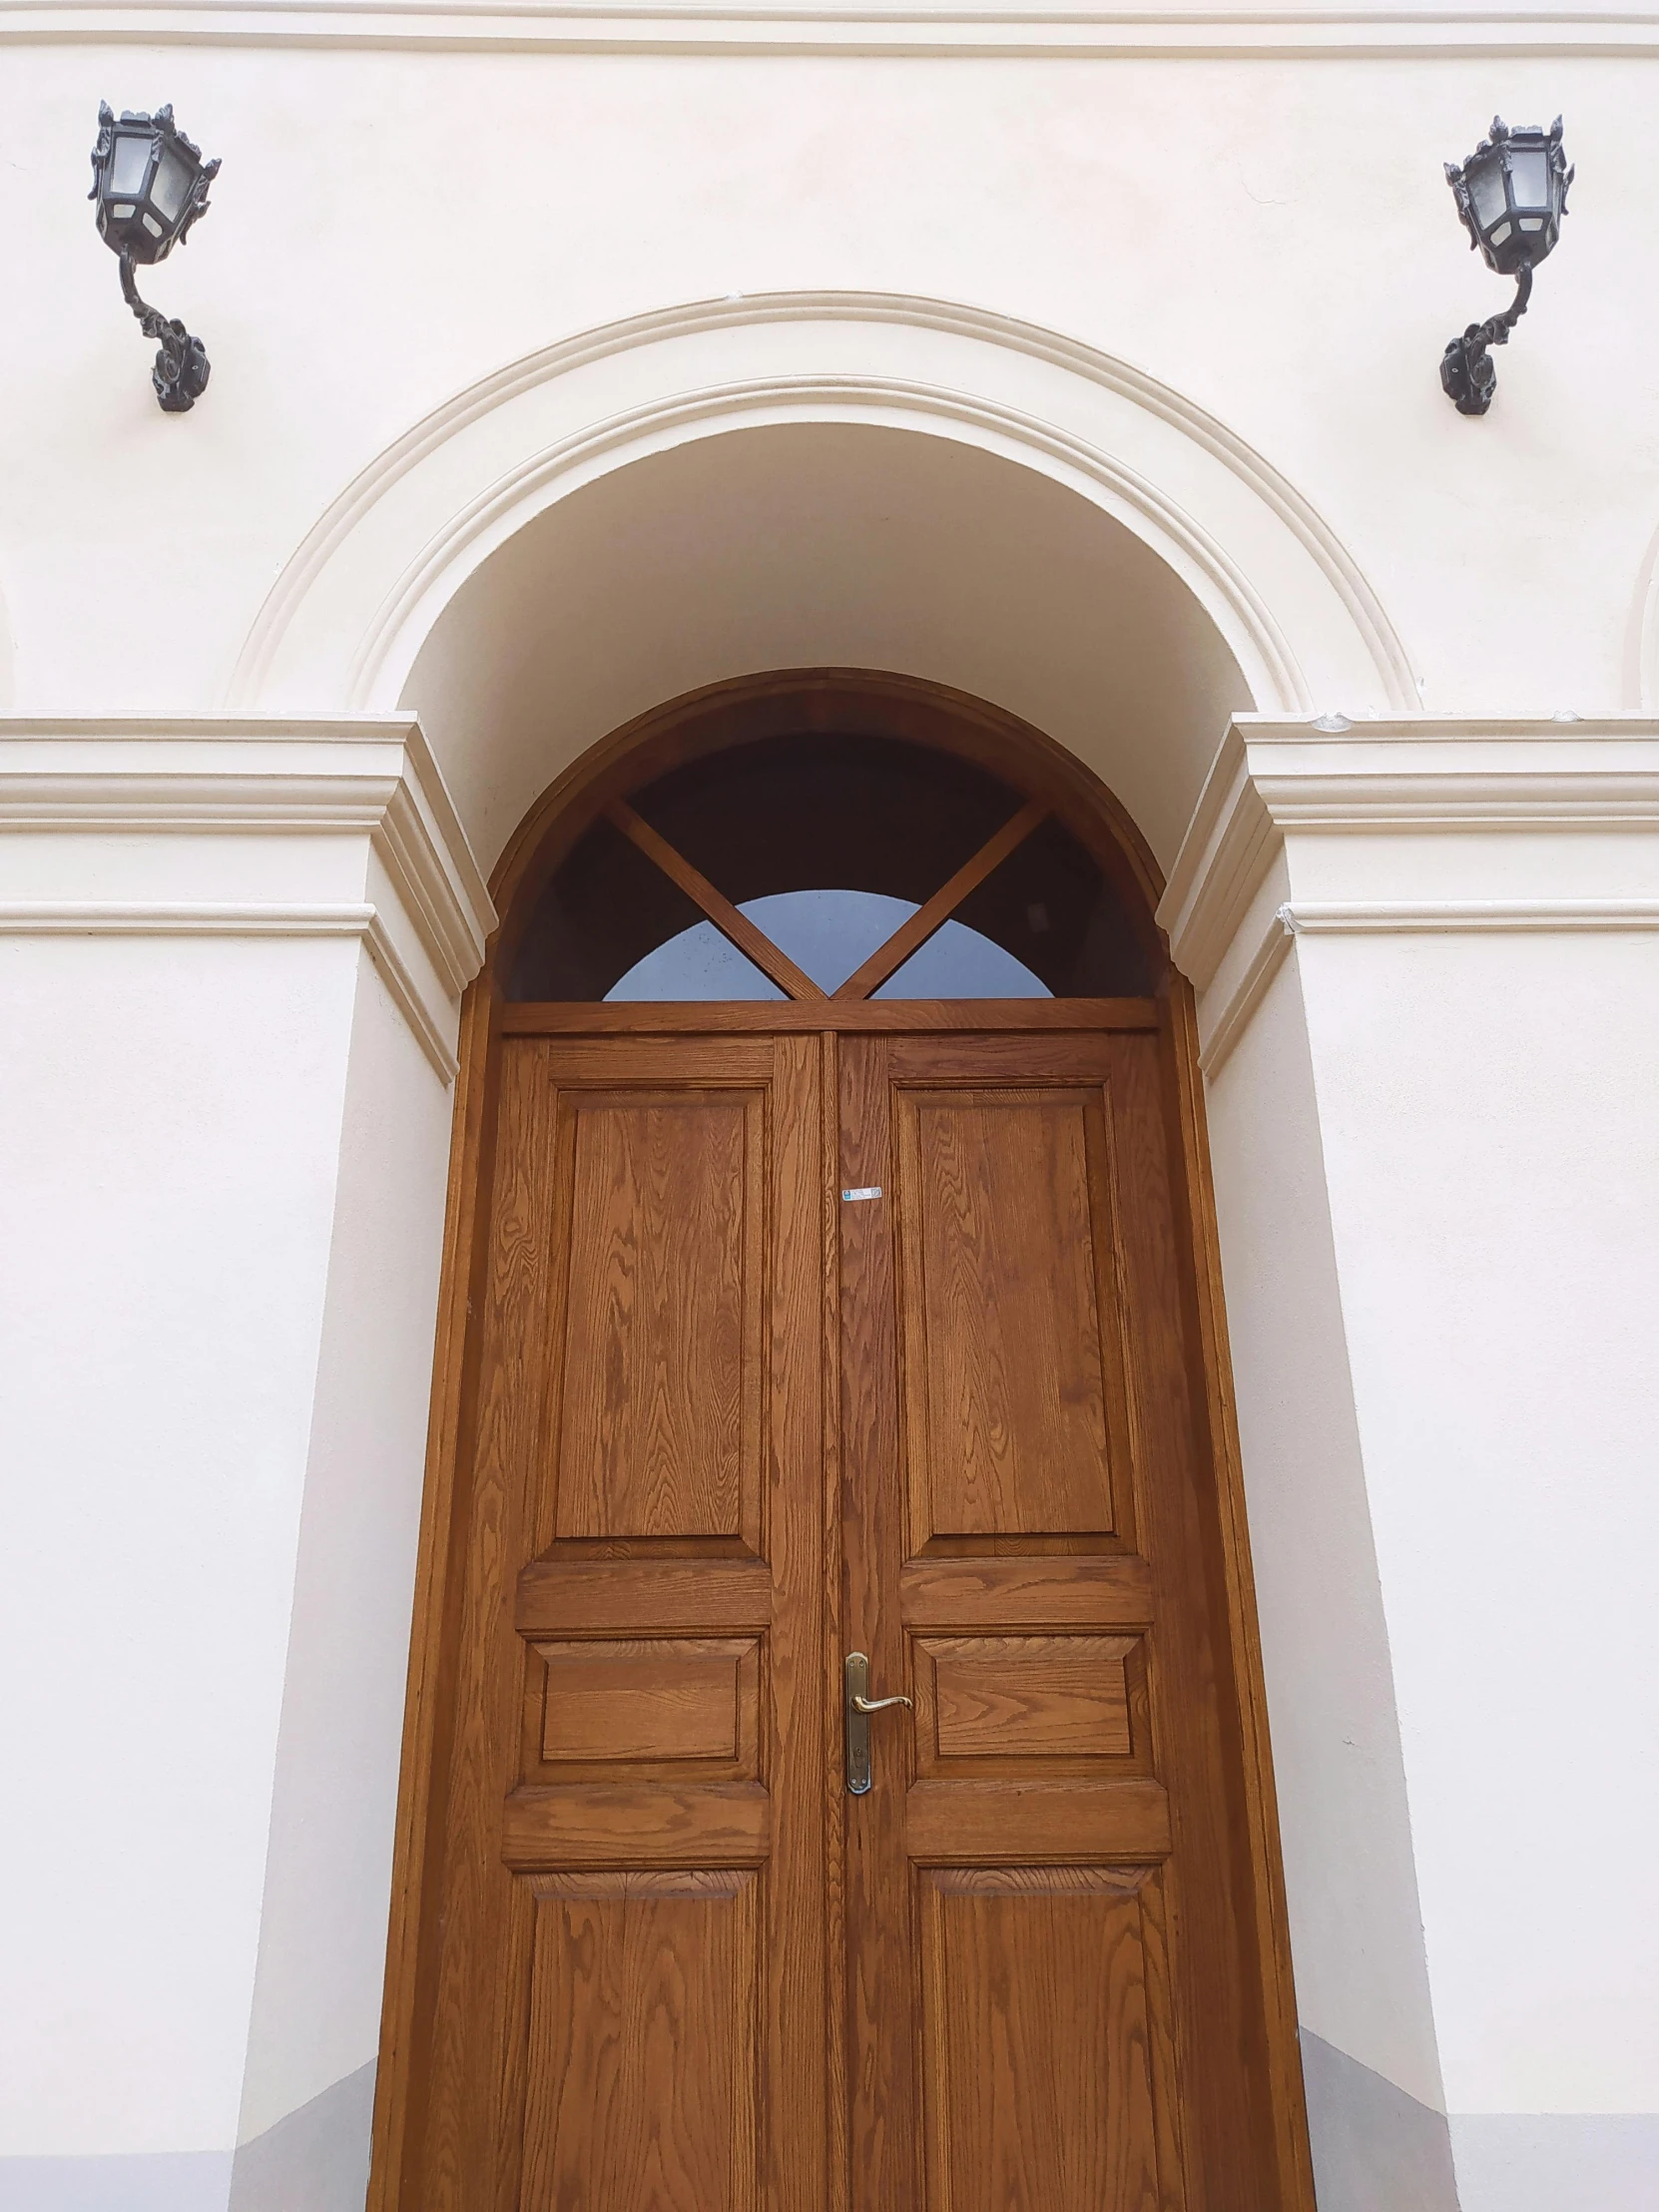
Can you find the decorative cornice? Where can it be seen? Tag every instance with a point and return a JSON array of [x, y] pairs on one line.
[[1042, 33], [1410, 776], [199, 775]]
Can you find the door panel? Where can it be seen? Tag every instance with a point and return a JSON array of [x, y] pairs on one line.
[[1024, 1557], [644, 2054], [1005, 1385], [660, 1385], [1043, 1994], [632, 1893]]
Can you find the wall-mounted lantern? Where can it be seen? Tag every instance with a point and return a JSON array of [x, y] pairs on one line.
[[1511, 194], [151, 184]]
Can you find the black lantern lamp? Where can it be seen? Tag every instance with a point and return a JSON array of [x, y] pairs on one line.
[[151, 184], [1511, 194]]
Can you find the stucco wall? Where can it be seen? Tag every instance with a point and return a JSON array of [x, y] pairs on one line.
[[1086, 362]]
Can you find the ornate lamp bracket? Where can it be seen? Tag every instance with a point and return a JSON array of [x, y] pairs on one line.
[[1468, 374]]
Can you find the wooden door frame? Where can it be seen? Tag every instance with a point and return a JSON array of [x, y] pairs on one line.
[[697, 724]]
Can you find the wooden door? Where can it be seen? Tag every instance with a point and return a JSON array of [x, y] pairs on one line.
[[791, 1342], [1049, 2001], [626, 1985]]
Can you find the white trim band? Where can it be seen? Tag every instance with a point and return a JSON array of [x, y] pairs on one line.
[[1042, 33], [1366, 918], [144, 919]]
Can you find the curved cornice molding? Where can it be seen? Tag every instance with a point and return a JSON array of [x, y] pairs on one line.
[[523, 488], [1213, 34], [523, 491]]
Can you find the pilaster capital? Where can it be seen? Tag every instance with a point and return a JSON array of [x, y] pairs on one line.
[[1277, 785], [247, 827]]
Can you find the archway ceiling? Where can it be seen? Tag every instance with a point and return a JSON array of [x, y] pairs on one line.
[[824, 545]]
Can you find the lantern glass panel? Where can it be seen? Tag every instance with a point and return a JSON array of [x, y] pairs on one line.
[[171, 191], [1529, 177], [1486, 192], [128, 166]]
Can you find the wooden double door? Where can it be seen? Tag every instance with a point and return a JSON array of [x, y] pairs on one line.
[[793, 1344]]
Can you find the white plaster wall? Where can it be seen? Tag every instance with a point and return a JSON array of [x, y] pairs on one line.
[[323, 1934], [1486, 1108], [1272, 238], [1355, 1918], [170, 1123]]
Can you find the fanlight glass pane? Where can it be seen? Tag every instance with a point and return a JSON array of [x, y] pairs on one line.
[[128, 165], [171, 189], [697, 964], [1529, 177], [829, 933], [1486, 191], [957, 962], [884, 822]]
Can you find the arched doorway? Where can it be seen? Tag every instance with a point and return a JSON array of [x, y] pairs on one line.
[[824, 1341]]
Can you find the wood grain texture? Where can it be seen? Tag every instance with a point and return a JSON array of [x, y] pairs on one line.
[[636, 1824], [660, 1430], [726, 919], [1005, 1390], [635, 1596], [883, 2112], [1036, 1823], [837, 2056], [887, 1016], [644, 2049], [647, 1699], [507, 1820], [1263, 1869], [1226, 2107], [1024, 1697], [1112, 1592], [404, 2050], [1039, 2027], [914, 932]]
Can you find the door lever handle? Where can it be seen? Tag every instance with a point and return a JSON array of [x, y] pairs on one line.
[[859, 1705]]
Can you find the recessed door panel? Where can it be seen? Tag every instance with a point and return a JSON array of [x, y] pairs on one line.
[[1021, 1701], [644, 2060], [1000, 1203], [661, 1399], [654, 1702], [1046, 2034]]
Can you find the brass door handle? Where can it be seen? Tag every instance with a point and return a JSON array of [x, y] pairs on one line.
[[859, 1708]]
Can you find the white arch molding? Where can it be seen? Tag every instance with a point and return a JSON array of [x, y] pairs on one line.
[[343, 624]]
